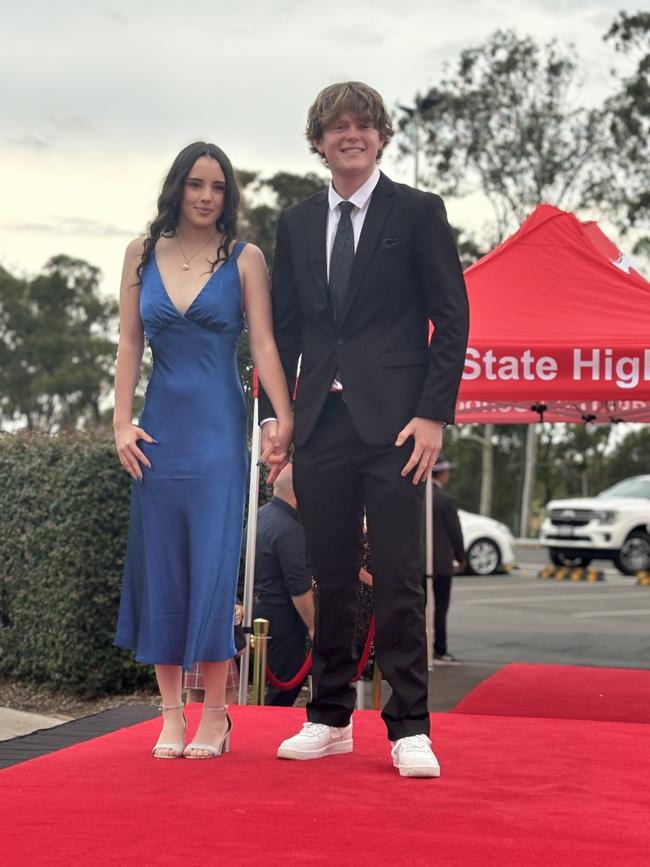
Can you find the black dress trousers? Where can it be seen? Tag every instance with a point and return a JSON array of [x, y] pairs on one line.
[[441, 596], [336, 476]]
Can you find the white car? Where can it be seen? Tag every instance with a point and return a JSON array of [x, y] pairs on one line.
[[488, 544], [614, 525]]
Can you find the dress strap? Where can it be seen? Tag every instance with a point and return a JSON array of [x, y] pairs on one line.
[[239, 246]]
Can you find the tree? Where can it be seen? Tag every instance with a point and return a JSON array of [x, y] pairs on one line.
[[630, 458], [265, 197], [625, 187], [57, 346], [263, 200], [504, 123], [464, 447]]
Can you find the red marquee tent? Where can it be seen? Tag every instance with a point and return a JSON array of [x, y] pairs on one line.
[[560, 321]]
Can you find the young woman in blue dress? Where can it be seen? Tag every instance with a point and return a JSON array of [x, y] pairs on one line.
[[188, 287]]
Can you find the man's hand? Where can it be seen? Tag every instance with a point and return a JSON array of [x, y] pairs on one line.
[[276, 439], [428, 442]]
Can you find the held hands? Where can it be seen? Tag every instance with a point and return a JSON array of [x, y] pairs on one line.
[[365, 577], [276, 439], [126, 437], [428, 442]]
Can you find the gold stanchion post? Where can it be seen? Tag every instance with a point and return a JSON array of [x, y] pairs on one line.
[[259, 641]]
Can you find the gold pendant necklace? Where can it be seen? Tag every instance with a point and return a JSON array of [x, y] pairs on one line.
[[186, 264]]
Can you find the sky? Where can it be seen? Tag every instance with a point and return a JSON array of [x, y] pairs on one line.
[[99, 97]]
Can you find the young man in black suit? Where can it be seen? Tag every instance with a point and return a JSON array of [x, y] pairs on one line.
[[359, 272]]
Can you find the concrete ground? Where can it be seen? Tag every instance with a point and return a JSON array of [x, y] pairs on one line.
[[520, 618], [14, 723]]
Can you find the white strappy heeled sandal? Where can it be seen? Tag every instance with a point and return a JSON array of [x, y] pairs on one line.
[[214, 751], [176, 748]]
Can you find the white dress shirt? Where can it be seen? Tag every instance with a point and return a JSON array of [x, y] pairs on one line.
[[361, 200]]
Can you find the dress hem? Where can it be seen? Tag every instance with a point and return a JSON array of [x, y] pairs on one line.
[[186, 666]]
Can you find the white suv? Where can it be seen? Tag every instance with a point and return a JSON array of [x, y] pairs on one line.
[[614, 525]]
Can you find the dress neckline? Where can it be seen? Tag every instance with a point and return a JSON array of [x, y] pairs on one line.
[[201, 290]]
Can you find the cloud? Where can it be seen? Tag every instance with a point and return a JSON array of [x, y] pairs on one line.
[[99, 97], [76, 226], [29, 142], [115, 17], [71, 123]]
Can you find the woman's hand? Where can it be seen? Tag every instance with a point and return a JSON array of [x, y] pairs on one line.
[[126, 438]]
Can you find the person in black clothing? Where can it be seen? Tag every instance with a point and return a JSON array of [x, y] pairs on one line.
[[447, 546], [360, 271], [283, 586]]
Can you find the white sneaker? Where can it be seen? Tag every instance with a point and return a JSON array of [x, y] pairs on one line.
[[414, 757], [316, 740]]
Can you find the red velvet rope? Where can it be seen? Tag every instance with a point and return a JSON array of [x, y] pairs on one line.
[[297, 679], [285, 685], [366, 651]]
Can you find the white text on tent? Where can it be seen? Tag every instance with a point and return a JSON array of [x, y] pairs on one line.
[[587, 364]]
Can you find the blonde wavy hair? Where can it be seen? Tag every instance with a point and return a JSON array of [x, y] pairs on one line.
[[355, 97]]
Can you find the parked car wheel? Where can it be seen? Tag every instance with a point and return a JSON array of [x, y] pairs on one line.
[[634, 555], [560, 558], [483, 557]]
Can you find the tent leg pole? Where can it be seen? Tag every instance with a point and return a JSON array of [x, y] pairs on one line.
[[249, 570]]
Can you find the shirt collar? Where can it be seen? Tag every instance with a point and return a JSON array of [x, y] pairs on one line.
[[360, 197]]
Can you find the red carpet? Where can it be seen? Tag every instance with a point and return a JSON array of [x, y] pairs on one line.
[[563, 692], [513, 792]]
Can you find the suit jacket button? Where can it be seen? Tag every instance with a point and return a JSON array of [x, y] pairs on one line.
[[340, 341]]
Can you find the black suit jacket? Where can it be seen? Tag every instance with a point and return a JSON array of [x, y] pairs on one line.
[[447, 533], [406, 272]]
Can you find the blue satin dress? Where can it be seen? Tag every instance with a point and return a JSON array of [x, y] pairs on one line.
[[185, 529]]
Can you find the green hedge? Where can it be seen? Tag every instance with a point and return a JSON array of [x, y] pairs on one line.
[[64, 507]]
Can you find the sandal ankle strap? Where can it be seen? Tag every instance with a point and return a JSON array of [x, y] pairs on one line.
[[216, 707], [171, 706]]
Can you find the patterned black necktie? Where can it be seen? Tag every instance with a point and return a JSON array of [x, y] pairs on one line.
[[341, 259]]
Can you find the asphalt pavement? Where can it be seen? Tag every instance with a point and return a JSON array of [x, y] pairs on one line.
[[521, 618]]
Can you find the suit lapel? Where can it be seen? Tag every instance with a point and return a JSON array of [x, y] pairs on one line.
[[380, 205], [317, 246]]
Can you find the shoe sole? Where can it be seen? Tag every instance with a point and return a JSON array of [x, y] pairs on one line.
[[417, 772], [336, 749]]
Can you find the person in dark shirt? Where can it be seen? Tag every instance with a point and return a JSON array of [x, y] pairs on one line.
[[283, 586], [447, 546]]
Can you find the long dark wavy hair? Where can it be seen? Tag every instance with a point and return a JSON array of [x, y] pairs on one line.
[[171, 196]]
